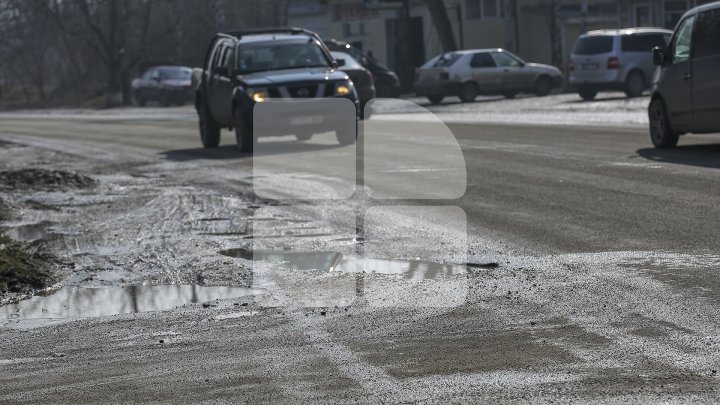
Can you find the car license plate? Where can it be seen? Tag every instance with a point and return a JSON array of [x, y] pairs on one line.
[[308, 120], [589, 66]]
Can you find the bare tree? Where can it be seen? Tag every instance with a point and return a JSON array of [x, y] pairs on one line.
[[442, 24]]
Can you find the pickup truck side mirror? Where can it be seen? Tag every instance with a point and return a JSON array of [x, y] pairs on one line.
[[660, 56], [221, 71], [340, 62]]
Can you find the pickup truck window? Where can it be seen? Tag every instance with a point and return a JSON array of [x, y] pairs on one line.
[[278, 55], [217, 50]]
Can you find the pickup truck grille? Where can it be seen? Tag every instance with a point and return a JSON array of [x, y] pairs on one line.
[[303, 91]]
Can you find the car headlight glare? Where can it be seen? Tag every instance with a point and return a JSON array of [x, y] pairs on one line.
[[343, 89], [258, 96]]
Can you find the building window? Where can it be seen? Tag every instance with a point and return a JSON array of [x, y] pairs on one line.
[[482, 9]]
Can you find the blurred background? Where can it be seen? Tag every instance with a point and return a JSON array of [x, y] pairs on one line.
[[86, 53]]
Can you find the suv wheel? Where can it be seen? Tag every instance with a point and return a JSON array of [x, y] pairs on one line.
[[347, 137], [543, 86], [634, 84], [436, 99], [587, 94], [661, 133], [383, 90], [209, 129], [468, 92]]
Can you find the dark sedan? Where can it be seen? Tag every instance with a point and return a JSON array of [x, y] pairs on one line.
[[166, 85], [361, 78], [387, 83]]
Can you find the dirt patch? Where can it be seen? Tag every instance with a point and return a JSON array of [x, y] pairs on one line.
[[5, 211], [22, 270], [41, 179]]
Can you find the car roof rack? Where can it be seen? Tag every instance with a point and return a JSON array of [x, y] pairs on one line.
[[276, 30]]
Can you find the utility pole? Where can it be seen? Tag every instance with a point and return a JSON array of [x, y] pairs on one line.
[[404, 56]]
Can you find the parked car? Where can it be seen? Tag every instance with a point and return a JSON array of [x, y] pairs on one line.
[[164, 84], [244, 68], [468, 73], [361, 78], [686, 88], [387, 83], [615, 60]]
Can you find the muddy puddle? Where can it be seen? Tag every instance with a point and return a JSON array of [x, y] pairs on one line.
[[88, 302], [338, 262], [30, 233]]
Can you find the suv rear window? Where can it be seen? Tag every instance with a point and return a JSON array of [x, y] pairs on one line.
[[593, 45], [643, 42]]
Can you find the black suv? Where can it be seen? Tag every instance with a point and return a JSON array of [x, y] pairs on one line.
[[244, 68], [386, 81], [686, 88]]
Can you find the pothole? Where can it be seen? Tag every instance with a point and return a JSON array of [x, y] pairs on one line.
[[343, 263]]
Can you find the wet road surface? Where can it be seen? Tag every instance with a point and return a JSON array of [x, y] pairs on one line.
[[595, 279]]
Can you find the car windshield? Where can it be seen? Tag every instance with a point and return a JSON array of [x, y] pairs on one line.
[[175, 74], [593, 45], [280, 55]]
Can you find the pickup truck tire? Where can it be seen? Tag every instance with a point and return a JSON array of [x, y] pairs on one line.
[[347, 137], [209, 129], [436, 99], [244, 138]]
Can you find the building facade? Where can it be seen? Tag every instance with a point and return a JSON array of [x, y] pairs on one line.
[[541, 31]]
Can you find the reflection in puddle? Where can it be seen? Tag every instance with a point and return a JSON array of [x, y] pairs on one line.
[[29, 233], [337, 262], [73, 302]]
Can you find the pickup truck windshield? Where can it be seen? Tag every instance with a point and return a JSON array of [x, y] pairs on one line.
[[277, 56]]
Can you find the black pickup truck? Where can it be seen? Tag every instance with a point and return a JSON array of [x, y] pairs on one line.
[[245, 68]]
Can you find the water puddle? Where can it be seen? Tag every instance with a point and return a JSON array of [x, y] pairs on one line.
[[338, 262], [78, 302], [31, 233]]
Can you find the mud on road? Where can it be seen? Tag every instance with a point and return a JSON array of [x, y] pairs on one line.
[[149, 309]]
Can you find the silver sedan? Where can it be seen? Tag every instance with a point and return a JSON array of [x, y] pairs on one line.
[[469, 73]]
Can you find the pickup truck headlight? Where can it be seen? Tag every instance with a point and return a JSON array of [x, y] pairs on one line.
[[343, 88], [258, 95]]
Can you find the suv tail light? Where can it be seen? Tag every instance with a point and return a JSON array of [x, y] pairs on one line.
[[613, 63], [571, 65]]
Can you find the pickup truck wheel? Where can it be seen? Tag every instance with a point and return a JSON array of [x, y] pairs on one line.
[[347, 137], [661, 132], [209, 129], [436, 99], [244, 138]]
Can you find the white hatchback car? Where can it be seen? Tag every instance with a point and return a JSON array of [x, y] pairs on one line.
[[468, 73]]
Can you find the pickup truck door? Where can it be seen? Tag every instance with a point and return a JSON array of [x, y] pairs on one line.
[[220, 84]]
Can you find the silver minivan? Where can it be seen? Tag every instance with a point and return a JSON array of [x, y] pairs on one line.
[[615, 60], [686, 89]]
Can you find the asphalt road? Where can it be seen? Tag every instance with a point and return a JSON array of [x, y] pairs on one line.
[[606, 286]]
